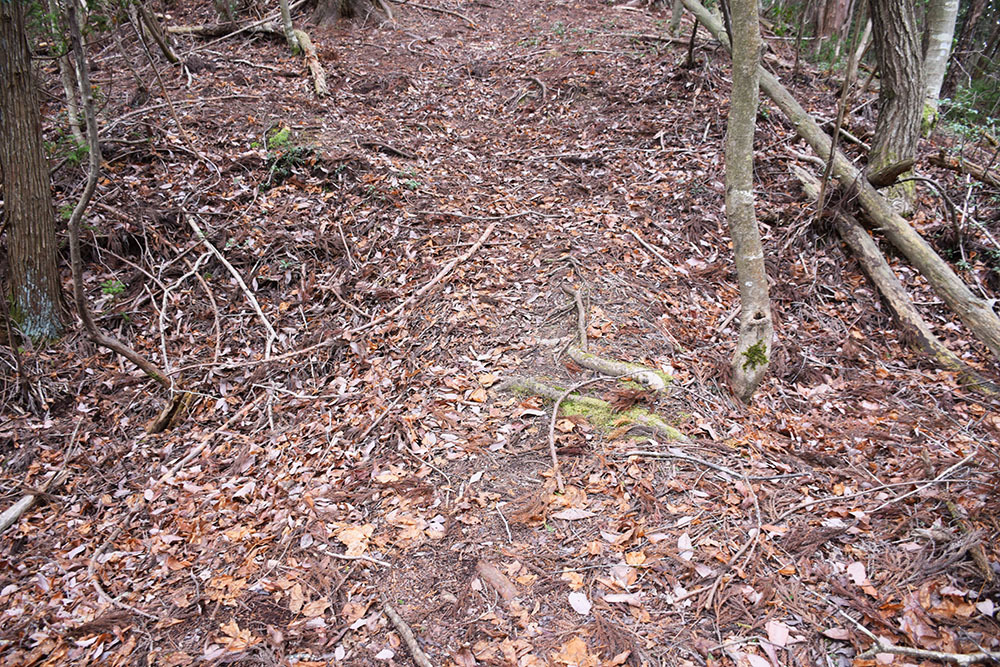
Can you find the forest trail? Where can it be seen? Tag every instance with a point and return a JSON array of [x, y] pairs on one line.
[[378, 464]]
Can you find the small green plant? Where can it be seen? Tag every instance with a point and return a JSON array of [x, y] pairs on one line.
[[112, 287], [559, 29], [78, 153], [279, 138], [66, 211]]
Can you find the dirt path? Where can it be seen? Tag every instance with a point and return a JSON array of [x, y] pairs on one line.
[[385, 466]]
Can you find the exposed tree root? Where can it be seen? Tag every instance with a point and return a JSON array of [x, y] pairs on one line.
[[599, 412], [649, 378]]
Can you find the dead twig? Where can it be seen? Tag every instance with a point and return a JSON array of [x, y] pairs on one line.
[[653, 251], [880, 646], [406, 633], [552, 425], [440, 10], [448, 268], [271, 334]]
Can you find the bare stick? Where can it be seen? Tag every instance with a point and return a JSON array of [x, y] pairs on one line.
[[15, 511], [552, 425], [406, 633], [652, 250], [448, 268], [441, 10], [271, 335], [879, 646]]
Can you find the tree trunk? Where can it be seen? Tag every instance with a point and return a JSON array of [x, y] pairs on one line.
[[753, 349], [976, 313], [941, 15], [962, 55], [331, 10], [900, 98], [289, 29], [30, 220]]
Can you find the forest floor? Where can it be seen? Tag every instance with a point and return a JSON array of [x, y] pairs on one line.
[[340, 465]]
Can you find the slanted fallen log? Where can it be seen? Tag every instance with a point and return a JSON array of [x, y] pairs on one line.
[[266, 28], [873, 263], [975, 312], [966, 167]]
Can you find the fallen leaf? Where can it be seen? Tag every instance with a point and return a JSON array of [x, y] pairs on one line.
[[579, 602], [496, 579], [840, 634], [777, 633]]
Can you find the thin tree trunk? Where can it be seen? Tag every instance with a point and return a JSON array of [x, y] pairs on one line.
[[291, 38], [676, 9], [66, 78], [962, 55], [897, 50], [29, 217], [99, 337], [973, 311], [753, 349], [941, 15]]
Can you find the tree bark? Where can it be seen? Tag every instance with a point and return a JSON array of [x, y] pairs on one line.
[[293, 40], [897, 51], [941, 16], [30, 219], [753, 349], [973, 311], [962, 55]]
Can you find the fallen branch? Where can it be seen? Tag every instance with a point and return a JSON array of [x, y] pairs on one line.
[[966, 167], [312, 60], [875, 266], [975, 312], [879, 645], [440, 10], [11, 515]]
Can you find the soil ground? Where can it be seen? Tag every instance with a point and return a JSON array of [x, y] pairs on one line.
[[336, 470]]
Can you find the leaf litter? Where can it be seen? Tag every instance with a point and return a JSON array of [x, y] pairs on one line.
[[384, 463]]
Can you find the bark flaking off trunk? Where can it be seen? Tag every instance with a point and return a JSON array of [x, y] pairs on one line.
[[34, 275]]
